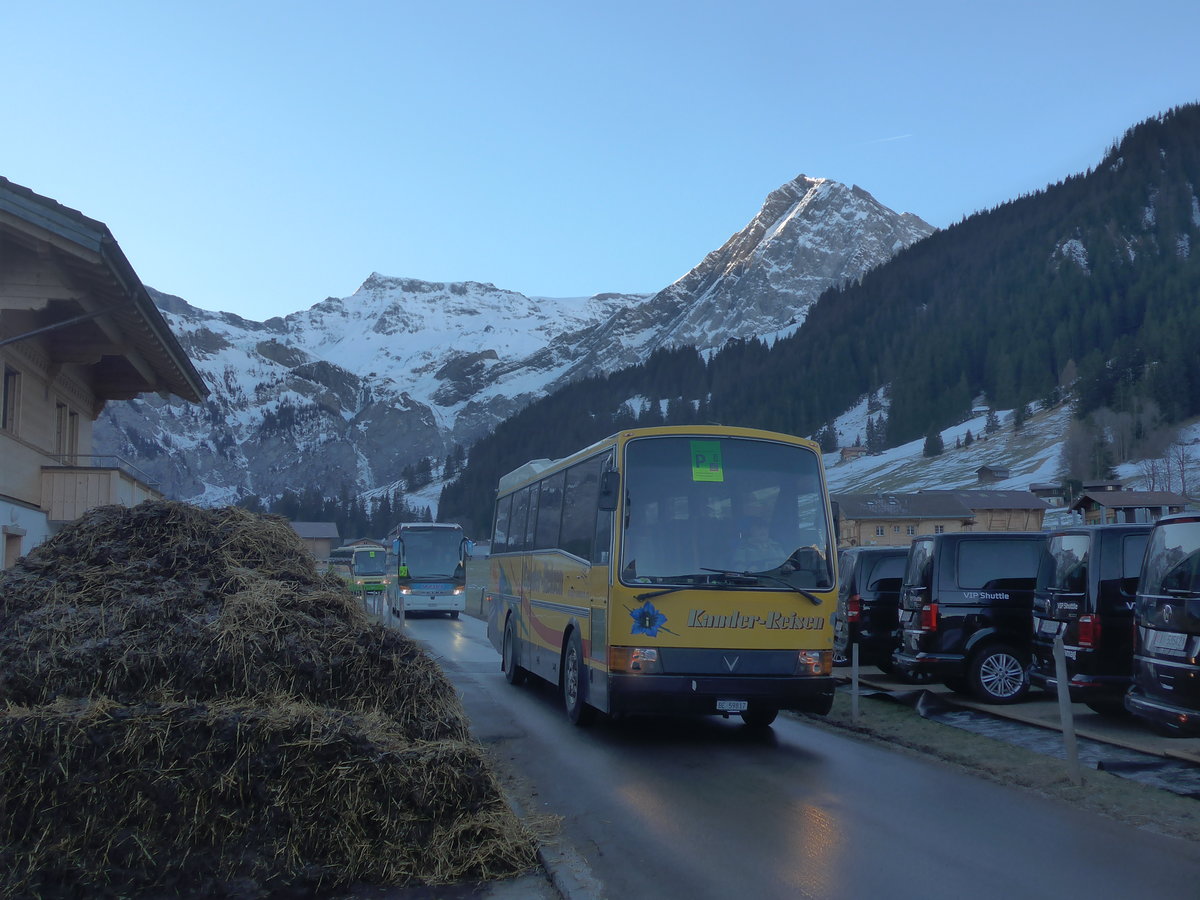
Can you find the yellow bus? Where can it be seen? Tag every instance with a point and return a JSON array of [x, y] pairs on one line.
[[678, 569]]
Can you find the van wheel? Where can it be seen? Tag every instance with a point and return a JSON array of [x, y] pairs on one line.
[[578, 712], [997, 674], [513, 673]]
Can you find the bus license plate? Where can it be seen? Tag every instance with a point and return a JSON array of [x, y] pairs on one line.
[[1047, 626], [732, 705]]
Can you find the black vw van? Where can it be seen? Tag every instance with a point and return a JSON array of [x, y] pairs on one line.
[[868, 604], [1166, 654], [1086, 590], [965, 607]]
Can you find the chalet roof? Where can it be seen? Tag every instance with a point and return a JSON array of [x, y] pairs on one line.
[[1126, 499], [962, 504], [999, 471], [985, 499], [101, 316], [933, 505], [316, 530]]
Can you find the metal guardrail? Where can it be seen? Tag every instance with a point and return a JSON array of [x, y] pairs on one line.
[[103, 461]]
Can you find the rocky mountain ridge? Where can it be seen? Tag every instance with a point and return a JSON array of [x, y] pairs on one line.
[[348, 393]]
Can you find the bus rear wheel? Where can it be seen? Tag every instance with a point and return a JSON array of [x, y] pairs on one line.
[[578, 712], [513, 673], [759, 718]]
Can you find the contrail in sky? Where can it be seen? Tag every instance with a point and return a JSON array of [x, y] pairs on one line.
[[899, 137]]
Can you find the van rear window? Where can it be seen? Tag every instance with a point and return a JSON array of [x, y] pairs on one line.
[[1172, 564], [889, 568], [998, 564]]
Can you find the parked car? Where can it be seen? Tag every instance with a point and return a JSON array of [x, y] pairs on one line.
[[1165, 691], [965, 608], [868, 604], [1086, 589]]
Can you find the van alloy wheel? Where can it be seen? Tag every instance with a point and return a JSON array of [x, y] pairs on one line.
[[997, 674]]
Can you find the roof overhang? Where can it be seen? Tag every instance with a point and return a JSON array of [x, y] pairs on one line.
[[86, 306]]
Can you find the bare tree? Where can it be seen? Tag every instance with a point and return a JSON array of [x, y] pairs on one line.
[[1156, 474], [1181, 456]]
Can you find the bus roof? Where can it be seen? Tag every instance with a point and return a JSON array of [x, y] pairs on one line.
[[530, 470]]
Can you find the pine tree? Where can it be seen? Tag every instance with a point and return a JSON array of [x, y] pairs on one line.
[[992, 425], [933, 443]]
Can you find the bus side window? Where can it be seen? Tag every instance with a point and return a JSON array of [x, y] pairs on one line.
[[500, 531], [516, 525], [531, 522], [549, 512], [580, 498]]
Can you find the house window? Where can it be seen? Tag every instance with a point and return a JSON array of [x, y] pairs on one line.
[[11, 401], [895, 529], [910, 529], [939, 529], [878, 531], [66, 433]]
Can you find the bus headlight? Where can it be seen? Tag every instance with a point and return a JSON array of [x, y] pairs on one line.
[[458, 590], [634, 660], [814, 662]]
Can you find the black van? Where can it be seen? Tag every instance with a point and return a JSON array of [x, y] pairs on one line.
[[1086, 590], [1166, 654], [868, 604], [965, 609]]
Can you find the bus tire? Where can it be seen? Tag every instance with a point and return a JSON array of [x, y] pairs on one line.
[[578, 712], [513, 672], [762, 717]]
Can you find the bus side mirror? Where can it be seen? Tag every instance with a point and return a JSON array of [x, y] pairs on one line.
[[610, 488]]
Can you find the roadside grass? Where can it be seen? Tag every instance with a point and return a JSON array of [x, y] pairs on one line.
[[899, 727]]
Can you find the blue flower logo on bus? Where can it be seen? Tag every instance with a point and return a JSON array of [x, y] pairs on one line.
[[647, 620]]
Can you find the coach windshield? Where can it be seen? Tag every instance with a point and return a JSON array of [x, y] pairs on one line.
[[700, 510]]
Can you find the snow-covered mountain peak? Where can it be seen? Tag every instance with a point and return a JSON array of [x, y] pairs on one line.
[[345, 394]]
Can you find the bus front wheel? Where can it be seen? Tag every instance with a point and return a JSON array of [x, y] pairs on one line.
[[572, 683]]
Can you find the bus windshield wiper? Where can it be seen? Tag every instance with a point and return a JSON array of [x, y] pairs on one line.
[[707, 582], [816, 601]]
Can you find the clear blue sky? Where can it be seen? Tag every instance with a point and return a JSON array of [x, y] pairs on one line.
[[258, 157]]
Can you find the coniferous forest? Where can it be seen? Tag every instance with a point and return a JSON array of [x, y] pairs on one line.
[[1089, 288]]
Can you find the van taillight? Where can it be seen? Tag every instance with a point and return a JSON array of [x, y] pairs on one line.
[[854, 608], [929, 617], [1089, 631]]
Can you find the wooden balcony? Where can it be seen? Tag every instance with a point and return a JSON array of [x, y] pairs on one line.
[[82, 482]]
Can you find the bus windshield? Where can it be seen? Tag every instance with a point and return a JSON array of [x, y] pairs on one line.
[[370, 562], [432, 552], [698, 510]]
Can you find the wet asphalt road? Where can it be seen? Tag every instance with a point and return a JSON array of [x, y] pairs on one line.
[[699, 808]]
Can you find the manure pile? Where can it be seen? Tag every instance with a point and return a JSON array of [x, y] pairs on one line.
[[188, 707]]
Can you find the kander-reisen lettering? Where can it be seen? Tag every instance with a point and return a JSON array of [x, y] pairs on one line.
[[699, 618]]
